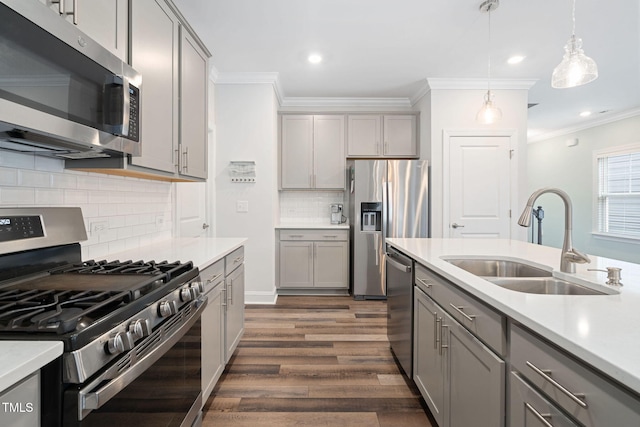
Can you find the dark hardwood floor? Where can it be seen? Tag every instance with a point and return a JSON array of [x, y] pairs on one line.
[[315, 361]]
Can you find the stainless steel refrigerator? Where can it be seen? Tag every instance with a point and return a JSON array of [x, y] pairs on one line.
[[387, 198]]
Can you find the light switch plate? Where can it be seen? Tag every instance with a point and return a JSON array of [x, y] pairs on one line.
[[242, 206]]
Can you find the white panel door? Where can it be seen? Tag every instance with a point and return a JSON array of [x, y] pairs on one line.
[[479, 187], [191, 209]]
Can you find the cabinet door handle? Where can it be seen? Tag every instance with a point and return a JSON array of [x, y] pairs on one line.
[[469, 317], [442, 345], [60, 4], [185, 156], [424, 282], [231, 291], [436, 328], [386, 147], [224, 299], [542, 418], [75, 12], [573, 396]]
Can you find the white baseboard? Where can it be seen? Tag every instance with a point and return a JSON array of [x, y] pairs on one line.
[[260, 297]]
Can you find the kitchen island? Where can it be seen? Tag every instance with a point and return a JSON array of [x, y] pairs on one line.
[[600, 331]]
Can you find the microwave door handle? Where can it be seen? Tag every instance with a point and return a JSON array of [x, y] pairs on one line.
[[126, 105]]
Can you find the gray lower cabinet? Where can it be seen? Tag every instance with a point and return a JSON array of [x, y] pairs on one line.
[[234, 301], [20, 403], [313, 259], [590, 398], [461, 379], [213, 327], [528, 408], [428, 361]]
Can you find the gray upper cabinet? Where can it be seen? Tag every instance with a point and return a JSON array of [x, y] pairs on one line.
[[174, 81], [106, 22], [193, 108], [386, 136], [154, 28], [312, 152]]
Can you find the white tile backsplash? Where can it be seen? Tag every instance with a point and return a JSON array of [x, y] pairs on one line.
[[129, 206], [308, 206]]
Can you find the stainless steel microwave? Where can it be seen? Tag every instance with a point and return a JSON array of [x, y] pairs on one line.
[[61, 93]]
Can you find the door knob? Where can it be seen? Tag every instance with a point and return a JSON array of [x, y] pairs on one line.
[[205, 226], [454, 225]]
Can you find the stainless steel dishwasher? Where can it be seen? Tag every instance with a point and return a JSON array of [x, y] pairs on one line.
[[400, 307]]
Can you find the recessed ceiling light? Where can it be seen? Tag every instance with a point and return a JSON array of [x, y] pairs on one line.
[[515, 59], [585, 114], [315, 58]]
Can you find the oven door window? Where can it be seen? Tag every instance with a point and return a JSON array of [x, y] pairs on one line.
[[39, 71]]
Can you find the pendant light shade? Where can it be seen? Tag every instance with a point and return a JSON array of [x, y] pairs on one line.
[[576, 68], [489, 113]]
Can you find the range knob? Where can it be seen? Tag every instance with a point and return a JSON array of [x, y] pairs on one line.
[[115, 344], [198, 286], [166, 308], [187, 294], [139, 329]]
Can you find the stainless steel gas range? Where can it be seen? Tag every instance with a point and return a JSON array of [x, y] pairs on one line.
[[131, 329]]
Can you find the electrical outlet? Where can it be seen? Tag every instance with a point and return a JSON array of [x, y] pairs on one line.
[[98, 227], [242, 206]]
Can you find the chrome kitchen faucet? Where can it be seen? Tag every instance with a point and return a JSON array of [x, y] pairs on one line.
[[569, 256]]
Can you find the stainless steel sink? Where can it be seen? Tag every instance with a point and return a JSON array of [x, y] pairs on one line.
[[498, 268], [542, 285]]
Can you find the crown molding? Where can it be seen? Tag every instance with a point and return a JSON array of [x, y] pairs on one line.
[[250, 78], [345, 102], [609, 118], [436, 83]]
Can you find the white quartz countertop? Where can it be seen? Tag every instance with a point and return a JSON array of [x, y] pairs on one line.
[[19, 359], [602, 330], [312, 226], [202, 251]]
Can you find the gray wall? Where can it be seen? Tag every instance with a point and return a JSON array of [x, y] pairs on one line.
[[551, 163]]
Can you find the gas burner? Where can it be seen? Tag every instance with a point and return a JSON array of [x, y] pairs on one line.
[[62, 320]]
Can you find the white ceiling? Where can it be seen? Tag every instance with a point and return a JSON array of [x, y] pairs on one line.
[[388, 48]]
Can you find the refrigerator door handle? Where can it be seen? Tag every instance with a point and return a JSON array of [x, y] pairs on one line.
[[375, 243]]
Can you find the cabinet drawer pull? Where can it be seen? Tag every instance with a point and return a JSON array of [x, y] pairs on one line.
[[214, 278], [424, 282], [330, 235], [539, 416], [573, 396], [295, 235], [469, 317]]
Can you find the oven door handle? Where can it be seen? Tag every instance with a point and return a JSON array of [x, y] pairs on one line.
[[89, 400]]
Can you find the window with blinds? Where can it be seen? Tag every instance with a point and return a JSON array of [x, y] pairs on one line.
[[618, 202]]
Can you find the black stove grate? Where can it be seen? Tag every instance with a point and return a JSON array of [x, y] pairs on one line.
[[74, 297]]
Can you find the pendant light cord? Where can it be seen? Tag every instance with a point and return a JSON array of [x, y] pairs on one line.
[[573, 18], [489, 53]]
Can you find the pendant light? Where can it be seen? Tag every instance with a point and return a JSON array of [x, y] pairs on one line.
[[576, 68], [489, 113]]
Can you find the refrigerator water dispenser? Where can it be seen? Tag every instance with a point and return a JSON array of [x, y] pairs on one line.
[[371, 216]]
